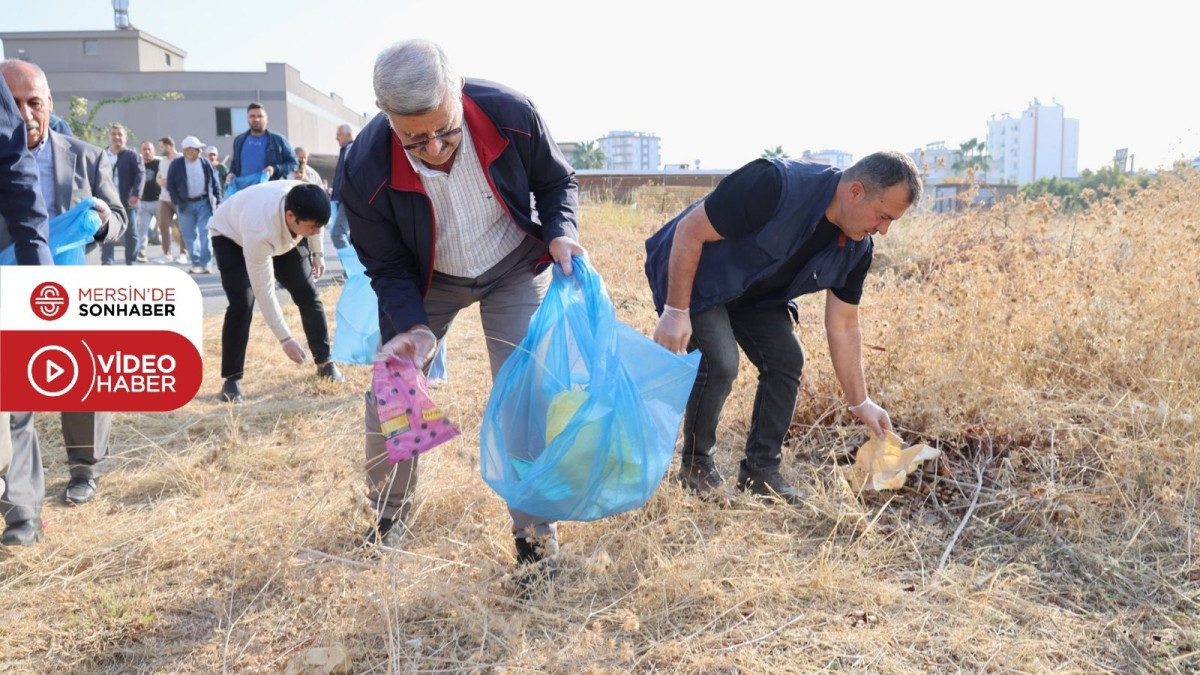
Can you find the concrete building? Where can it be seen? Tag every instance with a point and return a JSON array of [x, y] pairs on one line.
[[935, 162], [1043, 142], [630, 151], [116, 63], [836, 158]]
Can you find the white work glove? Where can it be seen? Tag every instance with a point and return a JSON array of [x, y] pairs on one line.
[[416, 345], [870, 414], [674, 329], [293, 350]]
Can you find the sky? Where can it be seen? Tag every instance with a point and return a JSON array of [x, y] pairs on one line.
[[721, 81]]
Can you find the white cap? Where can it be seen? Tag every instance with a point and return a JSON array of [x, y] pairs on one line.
[[192, 142], [211, 150]]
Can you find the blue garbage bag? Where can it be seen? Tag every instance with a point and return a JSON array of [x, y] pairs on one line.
[[70, 233], [243, 182], [356, 334], [583, 416]]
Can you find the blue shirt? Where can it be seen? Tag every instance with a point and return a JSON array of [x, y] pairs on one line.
[[254, 154], [44, 153]]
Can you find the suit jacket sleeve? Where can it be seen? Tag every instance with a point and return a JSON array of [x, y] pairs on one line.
[[21, 205], [134, 189], [99, 175]]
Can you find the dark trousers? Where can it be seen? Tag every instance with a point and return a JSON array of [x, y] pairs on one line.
[[108, 250], [767, 337], [292, 269]]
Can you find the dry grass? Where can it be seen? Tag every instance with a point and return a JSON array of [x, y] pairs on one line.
[[1053, 358]]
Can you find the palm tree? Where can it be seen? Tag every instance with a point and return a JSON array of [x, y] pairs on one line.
[[588, 155], [777, 151], [971, 156]]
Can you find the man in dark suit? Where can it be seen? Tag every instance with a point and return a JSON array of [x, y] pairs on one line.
[[128, 175], [69, 170], [23, 217]]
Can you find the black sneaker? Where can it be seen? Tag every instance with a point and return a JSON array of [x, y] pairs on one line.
[[329, 371], [537, 563], [231, 391], [79, 490], [769, 484], [23, 533], [704, 480], [387, 533]]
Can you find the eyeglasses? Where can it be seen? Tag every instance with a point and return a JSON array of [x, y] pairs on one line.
[[443, 137]]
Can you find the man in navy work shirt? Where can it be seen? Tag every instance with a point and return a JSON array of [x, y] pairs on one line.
[[260, 150], [724, 273]]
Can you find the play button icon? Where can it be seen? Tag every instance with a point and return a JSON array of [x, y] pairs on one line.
[[56, 363]]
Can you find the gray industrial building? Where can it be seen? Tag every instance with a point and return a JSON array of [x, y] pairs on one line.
[[116, 63]]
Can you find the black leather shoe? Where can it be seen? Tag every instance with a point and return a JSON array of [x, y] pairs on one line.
[[23, 533], [329, 371], [79, 490], [231, 391], [704, 480], [769, 484], [537, 563], [387, 533]]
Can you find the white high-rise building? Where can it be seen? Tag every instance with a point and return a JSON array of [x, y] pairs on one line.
[[1043, 142], [630, 151]]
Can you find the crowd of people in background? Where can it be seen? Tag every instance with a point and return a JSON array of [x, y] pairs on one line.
[[166, 198]]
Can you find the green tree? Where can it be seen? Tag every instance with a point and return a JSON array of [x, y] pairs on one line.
[[83, 121], [970, 157], [776, 151], [588, 155]]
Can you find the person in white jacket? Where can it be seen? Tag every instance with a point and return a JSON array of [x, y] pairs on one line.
[[264, 233]]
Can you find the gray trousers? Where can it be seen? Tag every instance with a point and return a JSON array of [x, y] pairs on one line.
[[508, 295], [86, 436], [5, 447]]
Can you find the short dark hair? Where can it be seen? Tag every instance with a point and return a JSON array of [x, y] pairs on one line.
[[308, 201], [167, 141], [882, 170], [255, 106]]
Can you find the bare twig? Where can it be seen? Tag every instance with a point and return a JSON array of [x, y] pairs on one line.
[[966, 517]]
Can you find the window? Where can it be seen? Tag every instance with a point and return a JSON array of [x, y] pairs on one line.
[[231, 122], [167, 57], [90, 47]]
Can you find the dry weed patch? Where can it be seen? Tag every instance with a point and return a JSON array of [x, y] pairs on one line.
[[1051, 357]]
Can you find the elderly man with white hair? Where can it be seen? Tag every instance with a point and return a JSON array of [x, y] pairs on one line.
[[339, 232], [438, 192]]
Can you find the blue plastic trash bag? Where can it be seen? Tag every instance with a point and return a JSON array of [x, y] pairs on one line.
[[582, 419], [70, 233], [356, 334], [243, 182]]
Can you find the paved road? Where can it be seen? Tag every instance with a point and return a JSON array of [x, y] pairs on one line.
[[210, 284]]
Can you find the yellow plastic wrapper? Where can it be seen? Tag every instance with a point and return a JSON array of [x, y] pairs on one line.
[[884, 463], [574, 467]]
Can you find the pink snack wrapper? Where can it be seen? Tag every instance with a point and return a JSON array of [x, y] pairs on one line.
[[410, 421]]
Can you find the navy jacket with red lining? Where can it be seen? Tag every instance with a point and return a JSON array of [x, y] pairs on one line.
[[391, 218]]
